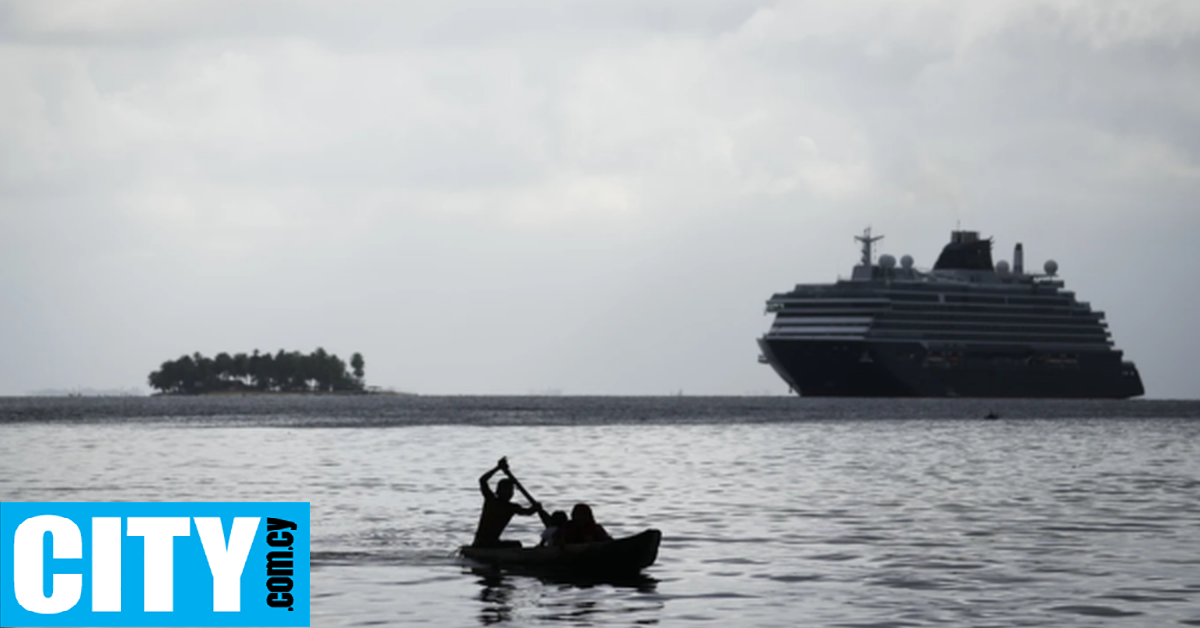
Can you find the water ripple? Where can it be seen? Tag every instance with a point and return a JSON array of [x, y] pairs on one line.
[[775, 513]]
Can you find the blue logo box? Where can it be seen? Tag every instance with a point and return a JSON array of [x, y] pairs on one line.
[[154, 564]]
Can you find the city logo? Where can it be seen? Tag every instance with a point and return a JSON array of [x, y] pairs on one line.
[[154, 564]]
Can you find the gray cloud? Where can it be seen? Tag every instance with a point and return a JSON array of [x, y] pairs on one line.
[[595, 197]]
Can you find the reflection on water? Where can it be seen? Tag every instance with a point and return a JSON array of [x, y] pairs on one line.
[[496, 595], [503, 596], [820, 522]]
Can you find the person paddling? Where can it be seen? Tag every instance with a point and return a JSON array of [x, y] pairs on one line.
[[498, 509]]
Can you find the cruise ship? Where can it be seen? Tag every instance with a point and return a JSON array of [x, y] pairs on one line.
[[966, 328]]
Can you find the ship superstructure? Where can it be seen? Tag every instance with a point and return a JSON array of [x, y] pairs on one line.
[[967, 327]]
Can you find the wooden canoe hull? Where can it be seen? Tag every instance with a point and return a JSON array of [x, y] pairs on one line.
[[627, 555]]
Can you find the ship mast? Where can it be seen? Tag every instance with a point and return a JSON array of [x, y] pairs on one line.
[[867, 241]]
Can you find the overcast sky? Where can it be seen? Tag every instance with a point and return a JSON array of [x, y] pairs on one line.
[[593, 196]]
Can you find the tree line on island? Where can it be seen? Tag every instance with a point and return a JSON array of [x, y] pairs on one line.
[[293, 371]]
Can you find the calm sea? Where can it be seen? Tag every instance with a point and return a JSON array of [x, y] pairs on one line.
[[775, 511]]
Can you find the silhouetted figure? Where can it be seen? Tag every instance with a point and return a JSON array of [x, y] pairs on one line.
[[498, 509], [556, 528], [583, 527]]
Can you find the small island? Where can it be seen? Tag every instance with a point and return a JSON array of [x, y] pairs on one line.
[[283, 372]]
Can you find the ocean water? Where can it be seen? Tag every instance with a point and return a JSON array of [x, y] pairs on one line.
[[775, 511]]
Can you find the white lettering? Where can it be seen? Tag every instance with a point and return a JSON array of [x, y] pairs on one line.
[[106, 564], [159, 533], [65, 542], [226, 563]]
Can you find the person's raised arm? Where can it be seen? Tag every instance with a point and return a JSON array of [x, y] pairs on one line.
[[483, 479]]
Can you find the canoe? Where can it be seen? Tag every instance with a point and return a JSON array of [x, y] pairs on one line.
[[627, 555]]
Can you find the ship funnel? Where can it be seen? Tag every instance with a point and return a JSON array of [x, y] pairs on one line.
[[1018, 259]]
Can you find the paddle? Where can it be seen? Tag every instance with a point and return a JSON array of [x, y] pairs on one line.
[[517, 482]]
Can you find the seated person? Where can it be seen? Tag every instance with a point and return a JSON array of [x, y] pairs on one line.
[[583, 527], [498, 510], [556, 528]]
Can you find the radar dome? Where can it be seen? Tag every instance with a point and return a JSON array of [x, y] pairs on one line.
[[1002, 267], [887, 261], [1051, 267], [906, 261]]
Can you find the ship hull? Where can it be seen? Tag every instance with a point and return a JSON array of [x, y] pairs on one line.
[[866, 368]]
